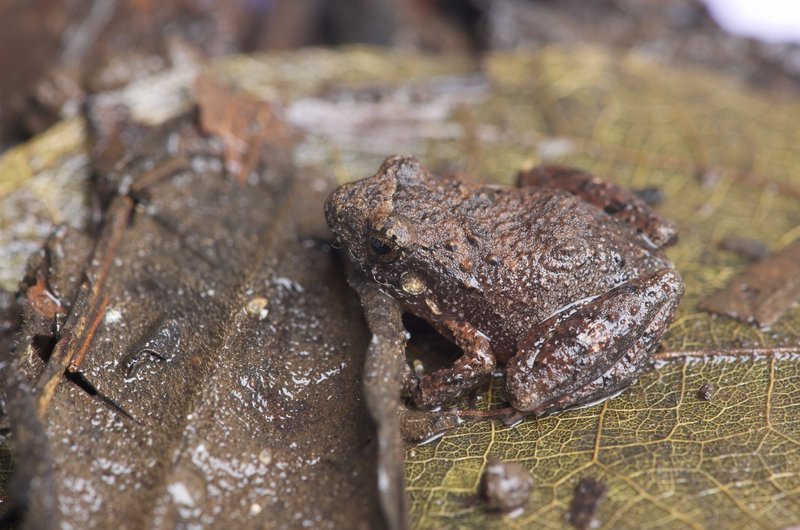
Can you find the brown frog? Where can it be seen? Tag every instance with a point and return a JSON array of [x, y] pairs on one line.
[[561, 280]]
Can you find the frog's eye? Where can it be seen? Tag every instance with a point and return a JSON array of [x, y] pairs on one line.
[[382, 249]]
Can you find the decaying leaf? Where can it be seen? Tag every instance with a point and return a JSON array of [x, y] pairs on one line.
[[230, 417], [764, 292], [43, 302], [244, 122]]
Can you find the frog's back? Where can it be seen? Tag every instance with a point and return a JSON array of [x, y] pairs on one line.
[[538, 250], [501, 259]]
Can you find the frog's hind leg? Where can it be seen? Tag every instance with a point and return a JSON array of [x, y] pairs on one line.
[[470, 369], [594, 349], [615, 200]]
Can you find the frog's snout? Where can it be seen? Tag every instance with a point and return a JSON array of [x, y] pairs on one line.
[[339, 207]]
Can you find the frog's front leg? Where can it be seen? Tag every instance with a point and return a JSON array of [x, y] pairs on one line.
[[615, 200], [595, 348], [445, 385]]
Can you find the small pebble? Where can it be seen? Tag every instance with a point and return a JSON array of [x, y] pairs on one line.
[[706, 392], [505, 486], [750, 249], [583, 510], [265, 457], [257, 307], [651, 195]]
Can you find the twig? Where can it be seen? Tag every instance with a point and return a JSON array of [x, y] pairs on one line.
[[733, 352], [90, 304], [88, 309], [163, 170], [382, 384], [84, 347]]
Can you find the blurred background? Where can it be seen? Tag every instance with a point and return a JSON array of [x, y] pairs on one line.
[[54, 53]]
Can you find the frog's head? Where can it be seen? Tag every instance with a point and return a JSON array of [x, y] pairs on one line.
[[365, 218]]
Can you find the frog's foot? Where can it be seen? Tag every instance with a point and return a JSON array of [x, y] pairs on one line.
[[591, 350], [443, 386], [614, 200]]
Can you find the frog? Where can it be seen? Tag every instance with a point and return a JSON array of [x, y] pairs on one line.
[[560, 282]]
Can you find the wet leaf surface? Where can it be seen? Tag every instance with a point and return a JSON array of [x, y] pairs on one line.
[[200, 409]]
